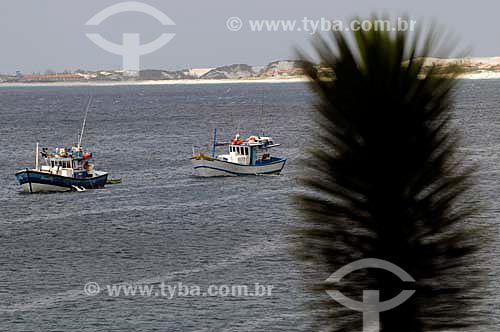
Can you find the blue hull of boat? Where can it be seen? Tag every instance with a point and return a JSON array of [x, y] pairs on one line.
[[35, 177]]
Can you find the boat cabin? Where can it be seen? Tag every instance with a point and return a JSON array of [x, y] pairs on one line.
[[252, 151], [72, 162]]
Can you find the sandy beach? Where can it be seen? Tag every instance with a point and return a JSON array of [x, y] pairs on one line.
[[468, 76], [489, 75]]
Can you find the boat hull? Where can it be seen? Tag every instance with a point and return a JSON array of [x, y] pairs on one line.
[[215, 167], [36, 181]]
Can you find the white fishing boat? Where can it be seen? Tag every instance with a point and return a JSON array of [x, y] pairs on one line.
[[251, 156]]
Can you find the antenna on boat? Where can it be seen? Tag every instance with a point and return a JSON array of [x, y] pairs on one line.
[[261, 122], [84, 122]]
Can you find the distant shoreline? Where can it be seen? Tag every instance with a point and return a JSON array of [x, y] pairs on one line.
[[158, 82], [280, 71], [466, 76], [488, 75]]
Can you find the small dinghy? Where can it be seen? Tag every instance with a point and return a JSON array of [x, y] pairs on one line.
[[114, 181], [245, 157]]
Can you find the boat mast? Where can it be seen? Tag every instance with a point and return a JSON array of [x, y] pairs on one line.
[[84, 122], [261, 120], [36, 157], [215, 142]]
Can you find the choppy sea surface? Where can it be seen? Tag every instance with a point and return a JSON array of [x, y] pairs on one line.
[[162, 225]]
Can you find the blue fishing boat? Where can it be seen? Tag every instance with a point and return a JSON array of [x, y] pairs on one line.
[[245, 157], [66, 169]]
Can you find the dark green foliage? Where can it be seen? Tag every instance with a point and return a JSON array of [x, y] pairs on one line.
[[385, 182]]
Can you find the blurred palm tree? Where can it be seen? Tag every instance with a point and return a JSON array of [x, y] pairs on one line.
[[385, 182]]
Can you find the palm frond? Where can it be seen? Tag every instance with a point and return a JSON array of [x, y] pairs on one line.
[[386, 182]]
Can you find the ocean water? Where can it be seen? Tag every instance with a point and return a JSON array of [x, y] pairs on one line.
[[164, 225]]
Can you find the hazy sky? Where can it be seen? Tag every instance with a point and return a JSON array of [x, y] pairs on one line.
[[37, 35]]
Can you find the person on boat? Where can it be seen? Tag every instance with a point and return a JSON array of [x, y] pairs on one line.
[[237, 140]]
